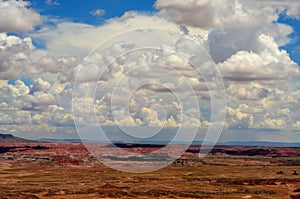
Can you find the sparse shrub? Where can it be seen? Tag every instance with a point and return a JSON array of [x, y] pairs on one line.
[[295, 196], [297, 190]]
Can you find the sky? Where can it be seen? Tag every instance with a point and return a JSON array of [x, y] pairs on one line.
[[134, 66]]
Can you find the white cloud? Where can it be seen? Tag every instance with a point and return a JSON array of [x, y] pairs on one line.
[[5, 118], [221, 13], [252, 91], [14, 56], [77, 39], [39, 96], [98, 12], [199, 13], [294, 11], [239, 117], [291, 8], [19, 89], [56, 64], [55, 116], [39, 84], [15, 16], [52, 2], [236, 24], [267, 65], [244, 42], [297, 125], [15, 117], [277, 123]]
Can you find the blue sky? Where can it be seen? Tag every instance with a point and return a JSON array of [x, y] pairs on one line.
[[295, 37], [78, 11]]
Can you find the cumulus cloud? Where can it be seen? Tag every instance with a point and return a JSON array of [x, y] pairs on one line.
[[252, 91], [15, 16], [291, 8], [244, 39], [63, 39], [237, 23], [54, 115], [39, 96], [241, 37], [39, 84], [220, 13], [203, 13], [15, 117], [19, 89], [251, 73], [239, 117], [11, 95], [157, 77], [14, 55], [270, 63], [56, 64]]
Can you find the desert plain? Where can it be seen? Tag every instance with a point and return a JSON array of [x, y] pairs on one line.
[[53, 170]]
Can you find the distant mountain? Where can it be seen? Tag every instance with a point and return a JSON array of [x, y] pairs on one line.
[[74, 140], [195, 143], [261, 143], [219, 144], [9, 138]]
